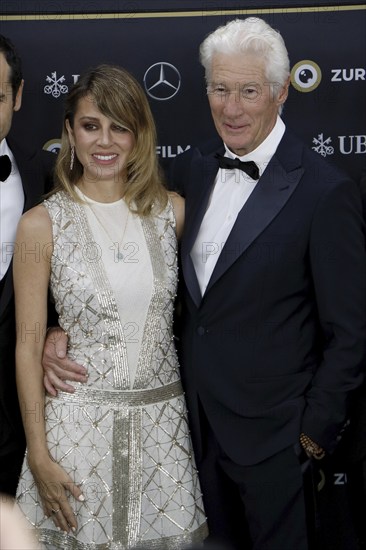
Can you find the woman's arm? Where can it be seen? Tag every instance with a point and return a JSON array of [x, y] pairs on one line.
[[31, 275], [31, 278]]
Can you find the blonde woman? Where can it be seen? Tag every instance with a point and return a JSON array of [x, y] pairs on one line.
[[109, 466]]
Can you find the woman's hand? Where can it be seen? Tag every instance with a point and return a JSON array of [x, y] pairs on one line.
[[53, 484]]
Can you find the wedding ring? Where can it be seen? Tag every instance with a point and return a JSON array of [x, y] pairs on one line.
[[55, 511]]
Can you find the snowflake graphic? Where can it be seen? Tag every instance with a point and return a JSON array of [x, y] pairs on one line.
[[55, 85], [322, 146]]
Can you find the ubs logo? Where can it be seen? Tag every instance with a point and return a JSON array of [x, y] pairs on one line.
[[162, 81], [56, 85]]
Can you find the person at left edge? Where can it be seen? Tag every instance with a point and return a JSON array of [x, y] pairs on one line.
[[24, 176]]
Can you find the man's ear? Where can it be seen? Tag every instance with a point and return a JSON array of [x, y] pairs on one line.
[[282, 96], [18, 97]]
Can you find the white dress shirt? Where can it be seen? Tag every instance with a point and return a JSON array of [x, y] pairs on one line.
[[231, 190], [11, 208]]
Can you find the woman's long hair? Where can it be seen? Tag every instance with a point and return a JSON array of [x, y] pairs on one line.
[[119, 97]]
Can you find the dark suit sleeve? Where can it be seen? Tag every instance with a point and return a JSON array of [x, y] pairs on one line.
[[338, 264]]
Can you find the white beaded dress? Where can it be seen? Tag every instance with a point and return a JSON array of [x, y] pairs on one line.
[[123, 436]]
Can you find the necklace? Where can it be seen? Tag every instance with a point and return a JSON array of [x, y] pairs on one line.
[[117, 245]]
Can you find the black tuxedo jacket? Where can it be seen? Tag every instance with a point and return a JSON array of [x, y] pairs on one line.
[[277, 342], [36, 173]]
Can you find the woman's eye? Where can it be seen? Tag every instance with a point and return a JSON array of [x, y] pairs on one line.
[[121, 129]]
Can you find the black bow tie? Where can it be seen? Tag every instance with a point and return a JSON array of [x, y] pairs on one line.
[[249, 167], [5, 167]]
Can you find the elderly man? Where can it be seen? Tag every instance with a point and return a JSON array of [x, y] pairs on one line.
[[274, 298]]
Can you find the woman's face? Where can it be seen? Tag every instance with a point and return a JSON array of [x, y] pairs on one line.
[[101, 145]]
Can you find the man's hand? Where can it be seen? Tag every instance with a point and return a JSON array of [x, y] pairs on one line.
[[57, 367]]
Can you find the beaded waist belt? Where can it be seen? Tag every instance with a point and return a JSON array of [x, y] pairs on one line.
[[137, 398]]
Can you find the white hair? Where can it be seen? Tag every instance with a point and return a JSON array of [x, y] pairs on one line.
[[249, 36]]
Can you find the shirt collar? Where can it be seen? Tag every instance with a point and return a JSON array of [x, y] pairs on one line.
[[5, 149]]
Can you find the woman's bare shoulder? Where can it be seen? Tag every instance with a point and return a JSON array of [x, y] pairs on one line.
[[178, 206], [35, 223]]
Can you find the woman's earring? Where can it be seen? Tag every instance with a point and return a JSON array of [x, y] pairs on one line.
[[72, 158]]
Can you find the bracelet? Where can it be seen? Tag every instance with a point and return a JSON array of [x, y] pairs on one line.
[[310, 447]]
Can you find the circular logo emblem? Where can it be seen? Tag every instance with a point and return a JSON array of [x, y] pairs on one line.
[[306, 76], [162, 81], [52, 145]]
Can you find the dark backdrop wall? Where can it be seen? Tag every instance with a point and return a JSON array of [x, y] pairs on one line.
[[158, 42], [327, 46]]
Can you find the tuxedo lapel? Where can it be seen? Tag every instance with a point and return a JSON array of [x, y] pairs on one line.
[[204, 170], [270, 195]]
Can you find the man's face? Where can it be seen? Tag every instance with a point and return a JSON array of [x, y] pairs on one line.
[[244, 105], [7, 103]]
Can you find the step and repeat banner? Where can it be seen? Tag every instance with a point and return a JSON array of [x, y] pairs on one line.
[[327, 45], [326, 105]]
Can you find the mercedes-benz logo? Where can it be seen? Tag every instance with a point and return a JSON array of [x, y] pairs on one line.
[[162, 81]]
